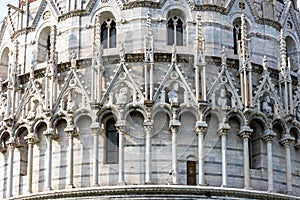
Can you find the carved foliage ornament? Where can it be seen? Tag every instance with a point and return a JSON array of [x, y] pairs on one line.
[[46, 15]]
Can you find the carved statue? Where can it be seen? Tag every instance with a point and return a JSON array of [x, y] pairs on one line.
[[70, 103], [173, 95], [298, 112], [266, 107], [222, 98], [73, 59], [122, 96], [32, 109], [174, 56]]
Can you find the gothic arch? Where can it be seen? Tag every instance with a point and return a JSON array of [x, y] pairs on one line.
[[108, 113], [238, 115], [4, 63], [80, 116], [105, 12], [138, 109], [43, 45], [37, 123], [193, 110], [161, 108], [216, 112]]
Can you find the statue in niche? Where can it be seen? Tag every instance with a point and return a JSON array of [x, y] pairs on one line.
[[70, 103], [222, 101], [298, 112], [122, 96], [266, 107], [173, 94], [32, 109], [73, 60]]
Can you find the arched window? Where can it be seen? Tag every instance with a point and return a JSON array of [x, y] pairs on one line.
[[112, 142], [175, 31], [291, 52], [44, 45], [4, 63], [22, 146], [108, 33], [236, 35], [256, 145]]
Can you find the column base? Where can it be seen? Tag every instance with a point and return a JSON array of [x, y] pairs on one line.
[[290, 193], [148, 183], [202, 184], [95, 185], [70, 186], [248, 188], [121, 183], [270, 191], [224, 186], [48, 188]]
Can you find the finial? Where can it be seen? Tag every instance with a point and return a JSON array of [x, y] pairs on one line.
[[73, 60], [122, 53], [174, 56], [224, 55]]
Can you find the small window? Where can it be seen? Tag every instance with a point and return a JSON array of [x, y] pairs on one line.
[[236, 35], [112, 142], [175, 31], [108, 34]]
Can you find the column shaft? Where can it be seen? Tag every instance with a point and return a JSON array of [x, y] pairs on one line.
[[95, 160], [148, 157], [270, 167], [10, 169], [174, 157], [70, 162], [246, 163], [288, 170], [201, 158], [224, 160], [121, 158], [29, 167]]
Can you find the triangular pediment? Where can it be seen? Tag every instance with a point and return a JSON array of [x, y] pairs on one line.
[[289, 20], [249, 7], [174, 88], [32, 102], [266, 99], [47, 11], [122, 89], [73, 95], [223, 92]]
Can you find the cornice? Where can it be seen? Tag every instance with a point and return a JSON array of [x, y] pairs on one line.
[[157, 191]]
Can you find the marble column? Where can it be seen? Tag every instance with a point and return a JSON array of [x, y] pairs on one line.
[[245, 134], [71, 133], [121, 126], [200, 129], [286, 141], [11, 148], [268, 137], [30, 139], [223, 134], [174, 126], [148, 126], [49, 134], [95, 128]]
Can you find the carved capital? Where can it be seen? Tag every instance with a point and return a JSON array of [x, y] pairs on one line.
[[31, 138], [223, 130], [11, 144], [201, 127], [174, 126], [148, 127], [71, 131], [50, 134], [121, 126], [95, 128], [269, 135], [245, 132], [286, 140]]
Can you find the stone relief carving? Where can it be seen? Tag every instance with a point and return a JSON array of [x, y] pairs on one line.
[[32, 109], [267, 107], [46, 15], [222, 101], [121, 98], [173, 94]]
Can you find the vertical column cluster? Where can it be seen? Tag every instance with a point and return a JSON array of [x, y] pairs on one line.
[[223, 131]]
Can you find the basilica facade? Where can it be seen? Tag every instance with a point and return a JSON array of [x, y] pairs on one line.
[[150, 99]]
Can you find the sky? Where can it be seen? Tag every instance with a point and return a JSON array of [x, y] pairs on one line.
[[3, 7]]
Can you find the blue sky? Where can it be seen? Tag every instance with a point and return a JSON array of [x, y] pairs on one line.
[[3, 7]]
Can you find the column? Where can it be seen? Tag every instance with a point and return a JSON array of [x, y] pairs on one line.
[[223, 134], [71, 132], [268, 137], [245, 134], [201, 128], [174, 126], [30, 139], [121, 126], [148, 126], [95, 128], [286, 141], [10, 147], [49, 134]]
